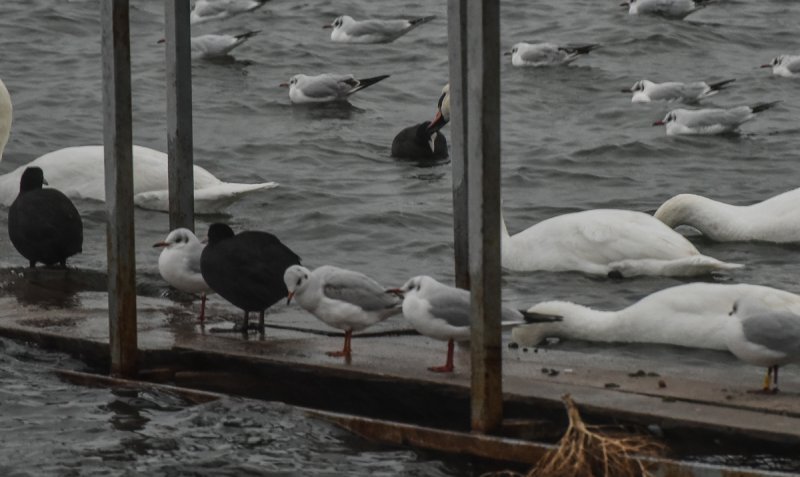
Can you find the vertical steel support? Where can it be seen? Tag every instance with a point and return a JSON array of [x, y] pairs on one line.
[[483, 163], [118, 140], [457, 40], [179, 114]]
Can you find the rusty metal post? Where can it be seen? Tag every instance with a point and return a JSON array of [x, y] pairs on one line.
[[457, 41], [118, 140], [179, 114], [483, 163]]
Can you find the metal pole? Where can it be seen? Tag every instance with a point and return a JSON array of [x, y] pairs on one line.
[[483, 152], [179, 115], [118, 140], [457, 40]]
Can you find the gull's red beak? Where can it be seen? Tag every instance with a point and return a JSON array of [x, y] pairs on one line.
[[395, 291], [289, 297], [327, 26], [284, 85], [766, 66], [160, 244], [658, 123], [161, 40]]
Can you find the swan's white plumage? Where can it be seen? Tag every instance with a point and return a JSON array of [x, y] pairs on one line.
[[772, 220], [695, 315], [604, 240]]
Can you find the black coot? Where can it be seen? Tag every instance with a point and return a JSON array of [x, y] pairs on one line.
[[43, 224], [419, 143]]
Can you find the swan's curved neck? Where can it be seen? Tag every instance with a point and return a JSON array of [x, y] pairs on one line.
[[578, 322], [5, 117], [711, 218]]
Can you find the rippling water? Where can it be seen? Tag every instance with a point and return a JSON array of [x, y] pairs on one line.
[[571, 140]]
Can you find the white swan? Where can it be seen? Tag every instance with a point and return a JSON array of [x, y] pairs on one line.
[[773, 220], [693, 315], [604, 241], [78, 172]]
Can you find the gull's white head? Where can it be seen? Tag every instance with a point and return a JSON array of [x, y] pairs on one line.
[[777, 61], [295, 277], [340, 22], [6, 111], [417, 285], [670, 118], [178, 239]]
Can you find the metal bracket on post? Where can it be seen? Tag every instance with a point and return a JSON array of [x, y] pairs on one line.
[[118, 140], [483, 151], [179, 114]]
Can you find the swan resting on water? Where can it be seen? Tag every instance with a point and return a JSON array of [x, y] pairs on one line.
[[772, 220], [78, 172]]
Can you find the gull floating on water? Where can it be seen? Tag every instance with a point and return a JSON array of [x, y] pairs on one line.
[[546, 54], [761, 335], [666, 8], [344, 299], [694, 315], [785, 65], [620, 243], [216, 46], [179, 264], [711, 120], [645, 91], [43, 224], [443, 312], [772, 220], [78, 172], [326, 87], [207, 10], [348, 30]]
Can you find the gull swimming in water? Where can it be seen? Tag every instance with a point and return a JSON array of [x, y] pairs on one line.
[[694, 315], [208, 10], [619, 243], [216, 46], [762, 335], [546, 54], [340, 298], [645, 91], [347, 30], [326, 87], [667, 8], [710, 121], [772, 220], [787, 66], [179, 264], [443, 312]]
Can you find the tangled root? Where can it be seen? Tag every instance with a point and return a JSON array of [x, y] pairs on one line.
[[584, 452]]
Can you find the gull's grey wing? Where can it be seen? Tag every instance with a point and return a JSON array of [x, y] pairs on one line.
[[451, 305], [377, 27], [542, 54], [710, 117], [667, 91], [793, 65], [327, 85], [358, 289], [779, 331], [192, 262]]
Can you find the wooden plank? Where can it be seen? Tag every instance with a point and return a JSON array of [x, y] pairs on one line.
[[483, 153], [457, 54], [179, 114], [118, 140]]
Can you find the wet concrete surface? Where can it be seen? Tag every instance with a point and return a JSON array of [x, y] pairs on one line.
[[652, 385]]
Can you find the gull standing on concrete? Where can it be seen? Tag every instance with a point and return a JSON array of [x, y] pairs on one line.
[[207, 10], [326, 87], [645, 91], [179, 265], [344, 299], [787, 66], [761, 335], [348, 30], [710, 121], [667, 8], [442, 115], [443, 312], [216, 46], [546, 54]]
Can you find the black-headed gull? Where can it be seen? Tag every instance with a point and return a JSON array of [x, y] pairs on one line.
[[785, 65], [442, 115], [609, 242], [179, 264], [764, 333], [666, 8], [43, 224], [207, 10], [246, 269], [443, 312], [772, 220], [546, 54], [645, 91], [348, 30], [344, 299], [326, 87], [419, 143], [215, 46], [709, 121]]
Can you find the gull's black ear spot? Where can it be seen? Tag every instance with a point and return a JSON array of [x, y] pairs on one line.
[[615, 275]]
